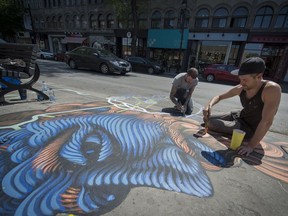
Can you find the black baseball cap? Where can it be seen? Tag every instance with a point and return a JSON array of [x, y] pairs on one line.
[[250, 66]]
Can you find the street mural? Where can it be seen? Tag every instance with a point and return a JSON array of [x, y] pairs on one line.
[[85, 158]]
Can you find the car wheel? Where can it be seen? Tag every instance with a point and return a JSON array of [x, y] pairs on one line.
[[210, 78], [42, 56], [72, 64], [150, 70], [104, 69]]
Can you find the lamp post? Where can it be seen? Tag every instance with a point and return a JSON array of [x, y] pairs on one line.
[[182, 25]]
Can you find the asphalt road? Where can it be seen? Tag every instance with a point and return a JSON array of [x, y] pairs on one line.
[[96, 85]]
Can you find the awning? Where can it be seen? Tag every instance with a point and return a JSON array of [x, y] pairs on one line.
[[77, 40]]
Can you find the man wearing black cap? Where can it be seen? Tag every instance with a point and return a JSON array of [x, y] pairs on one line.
[[260, 100]]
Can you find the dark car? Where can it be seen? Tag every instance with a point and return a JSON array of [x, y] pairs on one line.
[[96, 59], [220, 72], [140, 64]]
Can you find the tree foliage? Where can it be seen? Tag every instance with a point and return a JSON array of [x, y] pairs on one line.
[[11, 17], [123, 10]]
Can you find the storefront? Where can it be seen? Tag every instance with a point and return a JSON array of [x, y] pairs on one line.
[[215, 48], [124, 39], [274, 50], [166, 46]]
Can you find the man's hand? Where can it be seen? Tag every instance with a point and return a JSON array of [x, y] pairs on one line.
[[206, 112], [179, 106], [245, 150]]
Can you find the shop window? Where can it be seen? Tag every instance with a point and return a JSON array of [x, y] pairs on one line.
[[263, 17], [282, 18], [101, 22], [156, 20], [239, 18], [110, 21], [220, 18], [212, 52], [234, 51], [93, 22], [202, 18], [169, 20]]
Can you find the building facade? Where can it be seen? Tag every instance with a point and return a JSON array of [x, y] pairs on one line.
[[187, 33]]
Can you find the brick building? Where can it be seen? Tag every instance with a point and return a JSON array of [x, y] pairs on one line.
[[191, 32]]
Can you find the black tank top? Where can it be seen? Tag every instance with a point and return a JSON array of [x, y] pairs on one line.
[[251, 113]]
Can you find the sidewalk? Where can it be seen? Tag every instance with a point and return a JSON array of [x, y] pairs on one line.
[[123, 159]]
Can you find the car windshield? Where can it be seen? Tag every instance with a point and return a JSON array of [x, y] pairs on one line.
[[105, 53]]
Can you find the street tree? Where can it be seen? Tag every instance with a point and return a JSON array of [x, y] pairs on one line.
[[127, 11], [11, 18]]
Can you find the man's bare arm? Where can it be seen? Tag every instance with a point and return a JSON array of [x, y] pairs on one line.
[[271, 98], [172, 95], [230, 93]]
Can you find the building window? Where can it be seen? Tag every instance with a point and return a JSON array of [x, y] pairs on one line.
[[220, 18], [76, 22], [67, 22], [263, 17], [202, 18], [130, 21], [169, 20], [42, 23], [48, 22], [156, 20], [239, 18], [101, 22], [142, 21], [54, 22], [110, 21], [282, 18], [83, 22], [93, 22], [36, 24], [60, 22]]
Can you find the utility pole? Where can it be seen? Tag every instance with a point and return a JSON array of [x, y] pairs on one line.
[[182, 26]]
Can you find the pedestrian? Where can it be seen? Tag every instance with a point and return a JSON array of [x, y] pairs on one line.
[[182, 88], [259, 98]]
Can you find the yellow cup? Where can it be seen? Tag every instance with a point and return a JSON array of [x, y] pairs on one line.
[[237, 138]]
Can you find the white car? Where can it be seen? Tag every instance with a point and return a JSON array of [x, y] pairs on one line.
[[45, 54]]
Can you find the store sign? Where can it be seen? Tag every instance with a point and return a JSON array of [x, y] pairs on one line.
[[269, 39], [167, 38]]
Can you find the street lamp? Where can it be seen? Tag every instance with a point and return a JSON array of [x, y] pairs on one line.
[[182, 25]]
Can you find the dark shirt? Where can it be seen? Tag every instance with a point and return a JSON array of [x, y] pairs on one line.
[[251, 114]]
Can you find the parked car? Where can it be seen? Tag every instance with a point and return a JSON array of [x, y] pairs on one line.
[[96, 59], [220, 72], [45, 54], [140, 64]]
